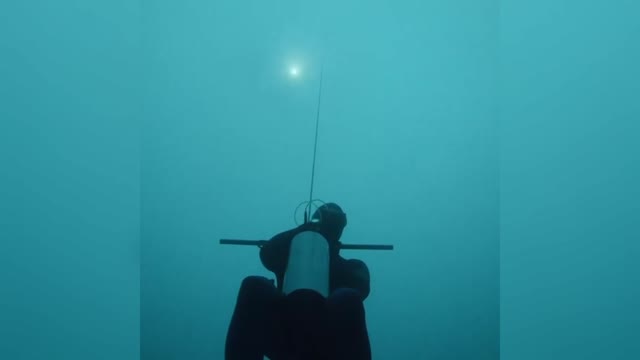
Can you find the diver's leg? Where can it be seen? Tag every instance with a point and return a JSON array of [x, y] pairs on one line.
[[306, 325], [253, 332], [347, 326]]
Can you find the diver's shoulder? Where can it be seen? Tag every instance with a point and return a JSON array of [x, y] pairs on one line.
[[352, 263], [289, 233]]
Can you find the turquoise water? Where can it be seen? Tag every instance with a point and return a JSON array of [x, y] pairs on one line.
[[493, 143]]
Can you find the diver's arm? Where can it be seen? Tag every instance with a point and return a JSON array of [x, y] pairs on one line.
[[359, 277], [275, 253]]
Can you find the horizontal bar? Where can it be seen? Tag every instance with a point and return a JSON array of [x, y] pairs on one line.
[[365, 247], [242, 242], [342, 246]]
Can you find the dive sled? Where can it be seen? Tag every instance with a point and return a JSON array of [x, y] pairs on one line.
[[308, 266]]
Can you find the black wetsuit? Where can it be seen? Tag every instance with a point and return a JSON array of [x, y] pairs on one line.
[[302, 325]]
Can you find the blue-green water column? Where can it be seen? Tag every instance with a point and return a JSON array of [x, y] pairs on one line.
[[69, 180]]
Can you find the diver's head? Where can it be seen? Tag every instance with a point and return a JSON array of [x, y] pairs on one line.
[[332, 221]]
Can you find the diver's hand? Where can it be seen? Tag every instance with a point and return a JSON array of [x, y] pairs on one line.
[[359, 277], [360, 274]]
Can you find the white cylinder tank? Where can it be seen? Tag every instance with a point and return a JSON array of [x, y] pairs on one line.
[[308, 266]]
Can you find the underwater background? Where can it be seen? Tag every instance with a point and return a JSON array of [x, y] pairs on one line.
[[494, 144], [407, 145]]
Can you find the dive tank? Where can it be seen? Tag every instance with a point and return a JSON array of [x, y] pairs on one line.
[[308, 266]]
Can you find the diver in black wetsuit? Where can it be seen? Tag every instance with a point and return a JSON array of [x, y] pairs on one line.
[[303, 325]]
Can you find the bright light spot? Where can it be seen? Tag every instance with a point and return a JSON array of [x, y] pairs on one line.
[[294, 71]]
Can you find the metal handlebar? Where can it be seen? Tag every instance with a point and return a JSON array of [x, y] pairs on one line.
[[342, 246]]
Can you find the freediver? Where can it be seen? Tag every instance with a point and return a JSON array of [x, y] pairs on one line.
[[303, 325]]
